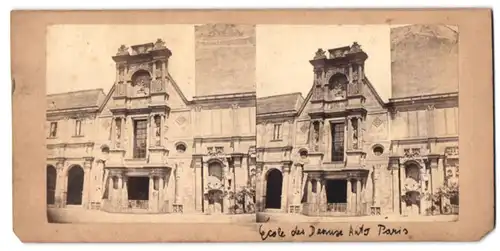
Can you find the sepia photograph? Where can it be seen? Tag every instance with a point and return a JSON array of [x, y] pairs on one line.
[[261, 126], [357, 123], [151, 123]]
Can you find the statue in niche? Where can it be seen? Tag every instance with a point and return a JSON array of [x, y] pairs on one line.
[[336, 86], [157, 130], [118, 126], [316, 136], [355, 134]]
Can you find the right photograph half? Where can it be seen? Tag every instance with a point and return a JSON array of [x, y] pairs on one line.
[[357, 123]]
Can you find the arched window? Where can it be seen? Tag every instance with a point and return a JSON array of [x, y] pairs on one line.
[[413, 172], [215, 170], [337, 86]]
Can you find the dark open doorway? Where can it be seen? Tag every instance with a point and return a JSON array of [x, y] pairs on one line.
[[273, 189], [51, 184], [75, 186], [336, 191], [138, 188]]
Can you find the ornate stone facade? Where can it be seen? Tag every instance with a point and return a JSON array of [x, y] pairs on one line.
[[144, 147], [343, 151]]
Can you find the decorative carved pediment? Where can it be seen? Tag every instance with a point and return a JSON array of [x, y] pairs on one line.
[[217, 151]]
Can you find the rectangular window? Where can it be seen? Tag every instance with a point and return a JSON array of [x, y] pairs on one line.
[[78, 127], [277, 132], [140, 138], [53, 130], [337, 141]]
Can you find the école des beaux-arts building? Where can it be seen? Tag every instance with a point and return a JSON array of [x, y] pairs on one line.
[[145, 148], [343, 151]]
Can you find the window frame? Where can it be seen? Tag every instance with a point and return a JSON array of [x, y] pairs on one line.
[[277, 131], [55, 130], [140, 152], [338, 139]]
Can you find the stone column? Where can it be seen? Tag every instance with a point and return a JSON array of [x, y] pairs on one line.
[[113, 132], [349, 133], [350, 73], [124, 192], [205, 178], [225, 175], [163, 69], [86, 183], [402, 177], [151, 133], [111, 196], [161, 194], [198, 185], [324, 200], [150, 196], [259, 185], [321, 133], [358, 197], [349, 197], [284, 193], [59, 192], [122, 132]]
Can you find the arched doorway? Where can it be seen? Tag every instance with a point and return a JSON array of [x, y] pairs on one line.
[[75, 185], [51, 184], [412, 188], [273, 189]]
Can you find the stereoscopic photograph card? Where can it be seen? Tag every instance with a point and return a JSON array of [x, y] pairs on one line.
[[262, 126]]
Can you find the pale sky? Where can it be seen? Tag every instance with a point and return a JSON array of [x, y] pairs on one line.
[[284, 51], [79, 56]]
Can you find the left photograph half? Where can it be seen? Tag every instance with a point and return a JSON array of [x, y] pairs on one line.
[[150, 123]]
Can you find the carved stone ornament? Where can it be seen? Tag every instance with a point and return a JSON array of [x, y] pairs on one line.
[[304, 128], [320, 54], [122, 50], [377, 122], [157, 85], [451, 151], [411, 185], [223, 30], [159, 44], [235, 106], [180, 120], [213, 183], [355, 47], [215, 151]]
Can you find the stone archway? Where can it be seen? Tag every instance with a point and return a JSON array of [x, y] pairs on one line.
[[75, 185], [51, 184], [274, 182], [412, 189]]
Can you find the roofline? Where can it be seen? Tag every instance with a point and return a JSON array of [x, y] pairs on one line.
[[71, 92], [281, 95]]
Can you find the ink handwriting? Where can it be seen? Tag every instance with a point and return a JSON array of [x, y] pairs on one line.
[[353, 230]]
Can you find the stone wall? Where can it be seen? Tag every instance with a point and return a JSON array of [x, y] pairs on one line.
[[424, 60], [225, 59]]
